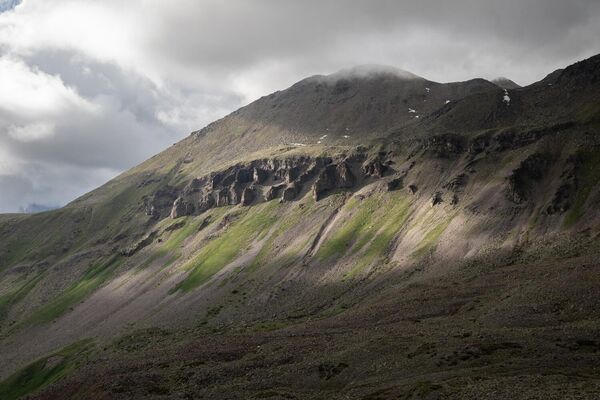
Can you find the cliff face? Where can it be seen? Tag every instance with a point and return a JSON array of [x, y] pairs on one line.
[[326, 229]]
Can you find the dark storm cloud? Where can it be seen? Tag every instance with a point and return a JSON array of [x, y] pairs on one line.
[[98, 86]]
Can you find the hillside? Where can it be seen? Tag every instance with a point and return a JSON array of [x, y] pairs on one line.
[[366, 234]]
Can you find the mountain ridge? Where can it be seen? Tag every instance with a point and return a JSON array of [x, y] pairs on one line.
[[331, 227]]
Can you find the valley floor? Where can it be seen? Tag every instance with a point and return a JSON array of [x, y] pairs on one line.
[[523, 330]]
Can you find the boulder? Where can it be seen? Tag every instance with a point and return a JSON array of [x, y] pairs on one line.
[[395, 184]]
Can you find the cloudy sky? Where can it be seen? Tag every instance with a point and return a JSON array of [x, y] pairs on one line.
[[91, 88]]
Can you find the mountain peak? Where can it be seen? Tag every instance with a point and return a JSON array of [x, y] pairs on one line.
[[373, 70], [505, 83]]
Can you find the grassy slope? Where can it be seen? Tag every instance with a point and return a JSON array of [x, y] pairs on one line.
[[100, 217], [368, 232], [252, 224], [44, 371], [95, 276], [9, 299]]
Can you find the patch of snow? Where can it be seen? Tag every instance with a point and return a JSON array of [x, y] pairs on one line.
[[323, 137], [506, 97], [346, 136], [319, 142], [410, 110], [447, 101], [428, 90], [347, 129], [416, 116], [297, 144]]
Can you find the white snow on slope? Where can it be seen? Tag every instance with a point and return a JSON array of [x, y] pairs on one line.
[[506, 97]]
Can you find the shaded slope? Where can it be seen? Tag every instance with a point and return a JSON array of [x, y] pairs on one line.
[[405, 209]]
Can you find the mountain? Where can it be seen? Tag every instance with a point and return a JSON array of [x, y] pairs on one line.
[[505, 83], [368, 234]]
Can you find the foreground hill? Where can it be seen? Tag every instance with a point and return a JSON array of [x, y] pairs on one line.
[[367, 234]]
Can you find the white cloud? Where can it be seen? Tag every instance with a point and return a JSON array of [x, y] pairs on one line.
[[31, 132], [29, 93]]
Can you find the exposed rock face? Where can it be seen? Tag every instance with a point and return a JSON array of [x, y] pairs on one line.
[[263, 180], [395, 184], [445, 146], [333, 177], [570, 183], [290, 192], [456, 187], [161, 202], [274, 191], [181, 208], [248, 196], [523, 179], [375, 168], [562, 199], [140, 245], [457, 183], [259, 175]]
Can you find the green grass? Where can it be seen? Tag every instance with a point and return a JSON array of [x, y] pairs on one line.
[[173, 245], [287, 222], [42, 373], [96, 275], [253, 223], [588, 176], [380, 244], [12, 298], [357, 230], [370, 230], [430, 240]]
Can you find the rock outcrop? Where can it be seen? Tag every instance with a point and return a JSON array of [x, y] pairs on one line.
[[531, 170], [332, 177], [264, 180]]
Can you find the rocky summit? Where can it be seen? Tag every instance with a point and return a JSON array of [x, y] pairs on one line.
[[368, 234]]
